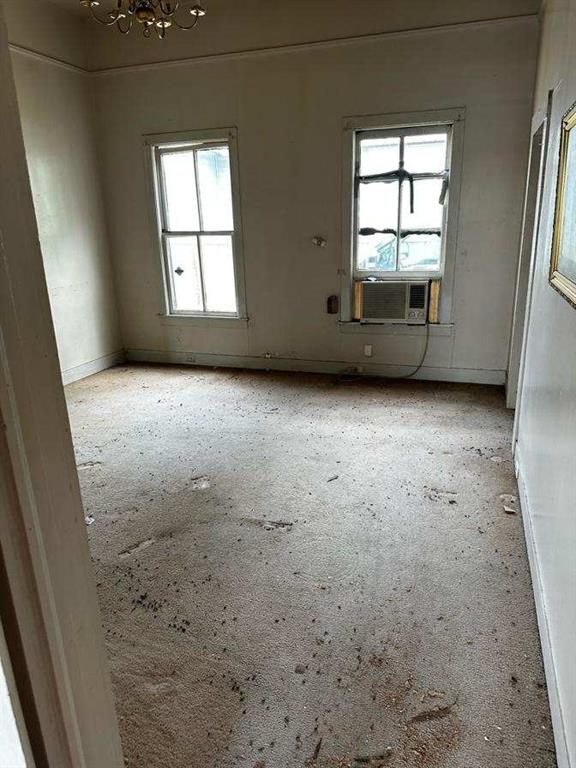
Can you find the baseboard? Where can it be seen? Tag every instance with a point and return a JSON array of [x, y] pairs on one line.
[[91, 367], [428, 373], [562, 753]]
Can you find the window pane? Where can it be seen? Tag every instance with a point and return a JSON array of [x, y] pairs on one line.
[[376, 252], [215, 188], [378, 209], [427, 210], [184, 268], [379, 155], [420, 252], [218, 272], [567, 260], [378, 205], [425, 154], [180, 191]]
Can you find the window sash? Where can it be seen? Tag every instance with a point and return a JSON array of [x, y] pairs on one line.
[[414, 130], [401, 133], [194, 147], [169, 272], [166, 233]]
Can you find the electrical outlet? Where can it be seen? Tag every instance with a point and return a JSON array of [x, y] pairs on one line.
[[367, 350]]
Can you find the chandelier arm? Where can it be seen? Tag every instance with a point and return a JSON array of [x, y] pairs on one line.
[[112, 19], [125, 30], [170, 8], [183, 26]]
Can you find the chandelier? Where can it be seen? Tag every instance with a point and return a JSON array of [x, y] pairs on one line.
[[153, 15]]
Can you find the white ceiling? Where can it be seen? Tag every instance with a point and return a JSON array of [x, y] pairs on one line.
[[73, 6]]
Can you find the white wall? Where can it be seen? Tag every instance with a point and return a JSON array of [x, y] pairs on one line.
[[57, 119], [546, 449], [289, 108], [57, 112]]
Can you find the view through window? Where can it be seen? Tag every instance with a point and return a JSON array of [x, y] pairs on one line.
[[401, 183], [197, 219]]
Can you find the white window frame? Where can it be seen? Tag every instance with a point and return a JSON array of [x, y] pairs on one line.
[[399, 274], [158, 144], [405, 123]]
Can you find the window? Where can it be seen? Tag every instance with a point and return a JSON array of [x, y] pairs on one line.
[[198, 227], [400, 199]]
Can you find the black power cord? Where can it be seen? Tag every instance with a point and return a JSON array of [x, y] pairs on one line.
[[350, 376], [421, 363]]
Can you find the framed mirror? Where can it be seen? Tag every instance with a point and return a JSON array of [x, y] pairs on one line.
[[563, 257]]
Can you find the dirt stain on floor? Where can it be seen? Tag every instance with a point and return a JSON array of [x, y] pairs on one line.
[[248, 524]]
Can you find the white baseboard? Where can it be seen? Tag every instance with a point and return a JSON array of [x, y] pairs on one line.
[[562, 753], [429, 373], [92, 366]]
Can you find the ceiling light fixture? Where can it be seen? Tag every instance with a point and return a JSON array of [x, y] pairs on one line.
[[153, 15]]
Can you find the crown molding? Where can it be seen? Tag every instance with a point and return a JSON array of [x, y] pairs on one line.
[[321, 44], [280, 49], [46, 59]]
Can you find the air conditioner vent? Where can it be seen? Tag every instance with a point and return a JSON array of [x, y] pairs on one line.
[[418, 296], [391, 301], [384, 300]]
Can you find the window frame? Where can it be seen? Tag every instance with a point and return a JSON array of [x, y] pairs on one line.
[[398, 274], [159, 144], [420, 123]]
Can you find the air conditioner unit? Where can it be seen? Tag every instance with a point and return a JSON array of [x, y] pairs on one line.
[[387, 301]]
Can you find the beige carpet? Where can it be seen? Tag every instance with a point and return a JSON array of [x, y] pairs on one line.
[[295, 571]]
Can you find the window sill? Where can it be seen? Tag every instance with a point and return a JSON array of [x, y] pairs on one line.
[[204, 321], [396, 277], [395, 329]]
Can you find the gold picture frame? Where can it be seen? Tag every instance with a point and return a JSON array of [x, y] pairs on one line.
[[563, 257]]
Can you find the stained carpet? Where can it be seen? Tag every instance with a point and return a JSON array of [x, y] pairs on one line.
[[299, 571]]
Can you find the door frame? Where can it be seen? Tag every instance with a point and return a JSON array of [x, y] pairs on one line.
[[540, 119], [48, 603], [530, 221]]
